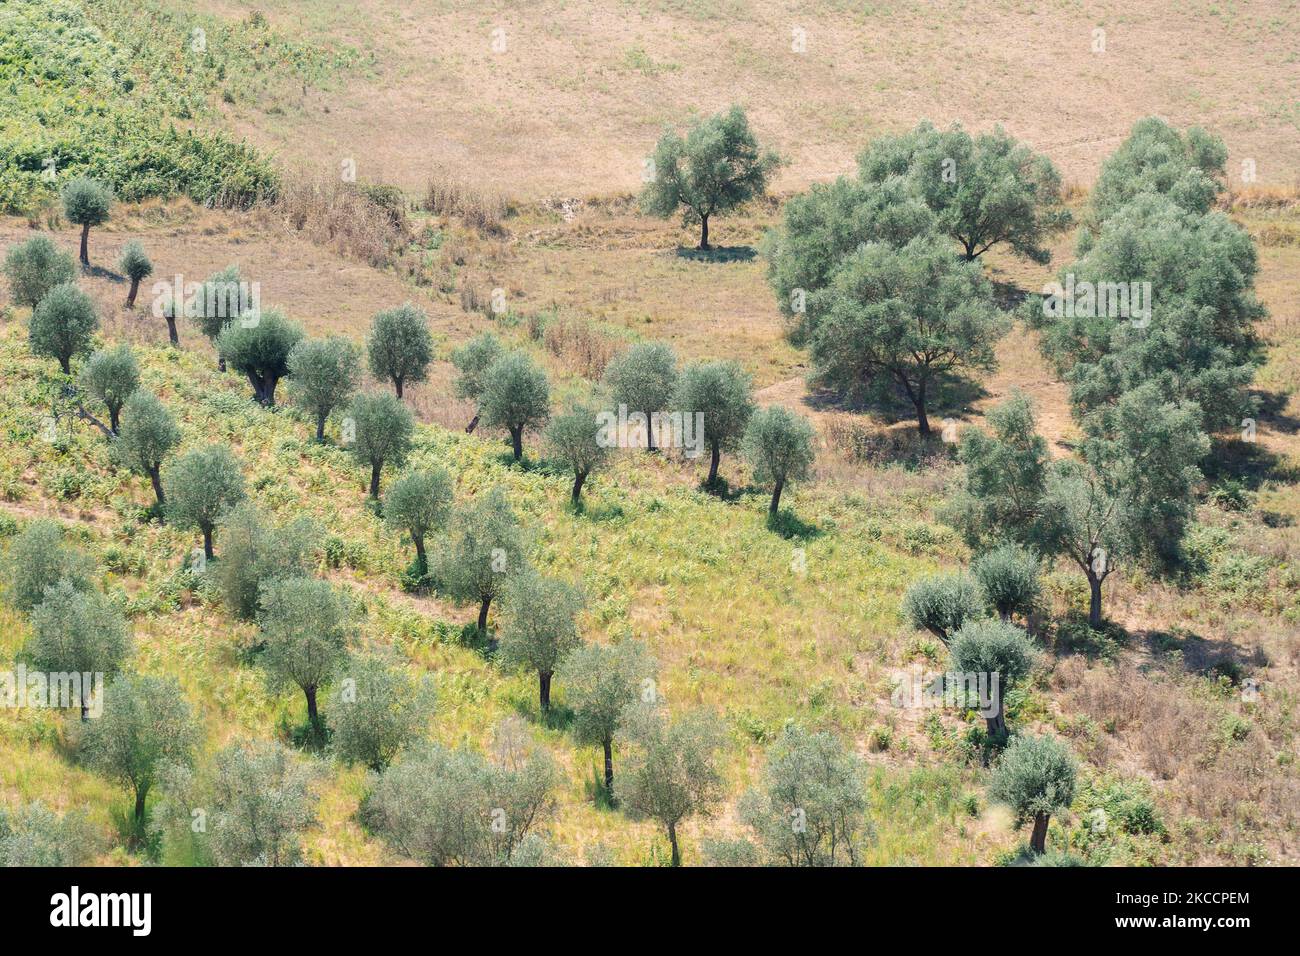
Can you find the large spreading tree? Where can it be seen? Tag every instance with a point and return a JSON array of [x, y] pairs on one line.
[[900, 320]]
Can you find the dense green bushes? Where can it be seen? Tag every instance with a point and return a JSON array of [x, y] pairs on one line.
[[93, 87]]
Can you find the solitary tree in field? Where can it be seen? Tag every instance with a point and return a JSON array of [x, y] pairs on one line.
[[35, 267], [715, 168], [202, 485], [600, 682], [671, 772], [1008, 578], [379, 710], [77, 630], [260, 350], [135, 265], [86, 203], [575, 438], [62, 325], [256, 553], [991, 647], [306, 625], [258, 800], [38, 559], [1036, 777], [485, 549], [323, 375], [540, 626], [445, 807], [472, 360], [810, 808], [643, 379], [400, 346], [381, 429], [146, 723], [779, 447], [984, 190], [147, 436], [942, 603], [419, 503], [111, 377], [722, 392], [516, 397], [896, 321]]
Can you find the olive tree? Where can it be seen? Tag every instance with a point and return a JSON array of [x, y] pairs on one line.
[[400, 346], [715, 168], [256, 801], [221, 298], [256, 553], [35, 267], [135, 265], [721, 395], [147, 436], [984, 190], [988, 648], [575, 437], [942, 603], [671, 772], [201, 486], [601, 681], [62, 325], [33, 835], [779, 447], [378, 429], [305, 624], [379, 710], [445, 807], [1157, 159], [39, 558], [516, 396], [485, 549], [810, 807], [86, 203], [260, 350], [1008, 579], [323, 375], [540, 626], [111, 376], [78, 631], [899, 320], [146, 723], [472, 360], [1036, 778], [419, 503], [643, 379]]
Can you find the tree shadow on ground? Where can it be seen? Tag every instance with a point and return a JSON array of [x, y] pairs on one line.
[[559, 717], [1206, 656], [1247, 462], [99, 272], [791, 527], [717, 253]]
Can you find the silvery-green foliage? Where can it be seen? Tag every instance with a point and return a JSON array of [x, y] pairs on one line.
[[942, 603], [379, 709], [39, 558]]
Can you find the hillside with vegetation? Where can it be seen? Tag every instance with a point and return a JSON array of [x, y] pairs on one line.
[[308, 462]]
